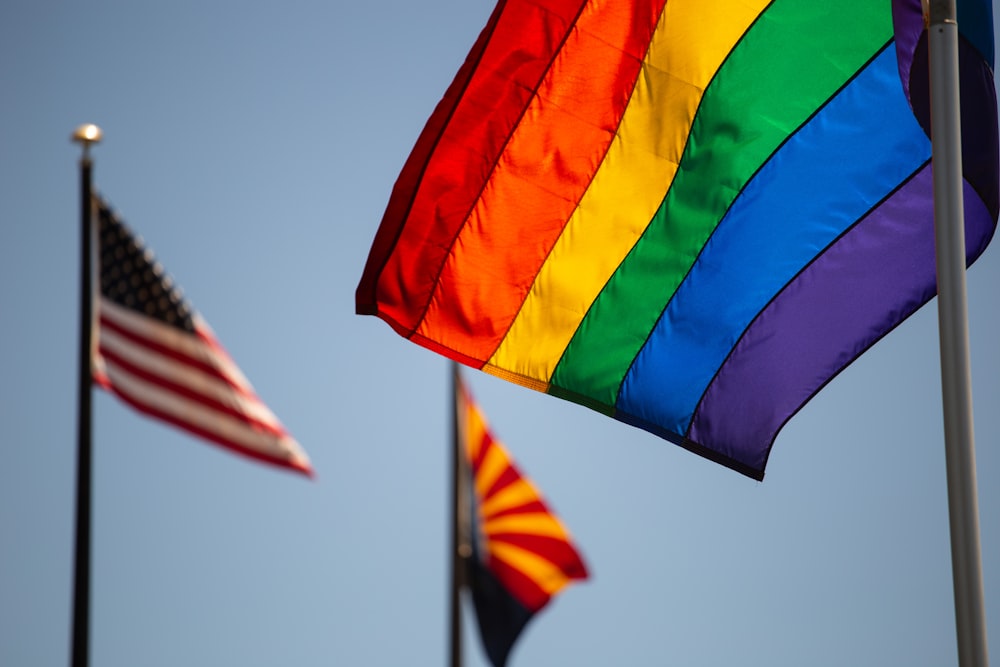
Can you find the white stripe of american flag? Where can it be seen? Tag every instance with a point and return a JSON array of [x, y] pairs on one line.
[[179, 373], [215, 380], [197, 417]]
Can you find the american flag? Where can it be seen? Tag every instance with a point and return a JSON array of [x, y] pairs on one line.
[[159, 356]]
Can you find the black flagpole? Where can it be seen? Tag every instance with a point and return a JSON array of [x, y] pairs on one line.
[[85, 135], [461, 533], [456, 558]]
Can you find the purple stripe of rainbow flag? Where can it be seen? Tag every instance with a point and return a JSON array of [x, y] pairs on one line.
[[686, 215]]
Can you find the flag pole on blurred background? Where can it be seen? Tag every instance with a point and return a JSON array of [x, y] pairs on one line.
[[459, 549], [956, 383], [509, 550], [141, 340], [85, 135]]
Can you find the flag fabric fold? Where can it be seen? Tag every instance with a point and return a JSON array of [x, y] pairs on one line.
[[687, 215], [521, 554], [157, 354]]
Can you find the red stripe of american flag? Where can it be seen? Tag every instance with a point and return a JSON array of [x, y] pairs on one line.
[[173, 354], [232, 426], [154, 348]]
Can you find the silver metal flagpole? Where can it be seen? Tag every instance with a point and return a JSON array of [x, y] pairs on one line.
[[79, 657], [956, 383]]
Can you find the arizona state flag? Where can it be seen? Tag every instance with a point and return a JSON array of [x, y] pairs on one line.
[[521, 554]]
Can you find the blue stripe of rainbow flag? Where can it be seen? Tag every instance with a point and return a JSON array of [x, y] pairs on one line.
[[686, 215]]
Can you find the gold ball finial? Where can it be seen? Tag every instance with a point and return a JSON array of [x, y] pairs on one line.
[[87, 134]]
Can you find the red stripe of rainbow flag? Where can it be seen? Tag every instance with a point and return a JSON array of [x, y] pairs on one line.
[[630, 204]]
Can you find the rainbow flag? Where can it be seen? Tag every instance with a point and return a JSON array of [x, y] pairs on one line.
[[687, 215], [521, 554]]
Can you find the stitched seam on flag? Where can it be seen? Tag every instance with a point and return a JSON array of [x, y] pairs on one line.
[[826, 177], [612, 383], [523, 332], [690, 445], [545, 117], [732, 203], [524, 380], [584, 399], [819, 254], [493, 167], [669, 436], [778, 294], [512, 376], [254, 413], [834, 375], [491, 27]]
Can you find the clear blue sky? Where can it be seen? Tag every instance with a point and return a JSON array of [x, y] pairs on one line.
[[254, 146]]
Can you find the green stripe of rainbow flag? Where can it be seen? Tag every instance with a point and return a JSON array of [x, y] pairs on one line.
[[686, 215]]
